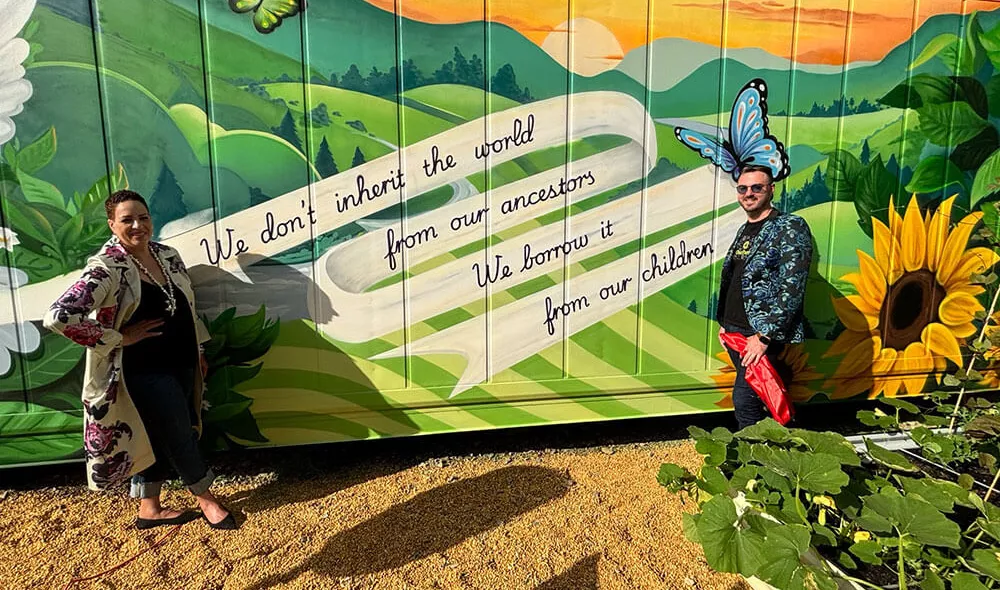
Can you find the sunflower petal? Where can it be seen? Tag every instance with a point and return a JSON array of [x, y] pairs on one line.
[[845, 341], [886, 248], [937, 232], [958, 308], [872, 284], [974, 261], [859, 359], [940, 341], [914, 241], [841, 388], [849, 310], [916, 364], [887, 386], [964, 330], [954, 247]]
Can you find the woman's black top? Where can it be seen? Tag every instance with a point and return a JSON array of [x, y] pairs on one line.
[[174, 349]]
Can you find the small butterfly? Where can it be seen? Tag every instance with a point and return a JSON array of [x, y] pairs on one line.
[[268, 14], [750, 141]]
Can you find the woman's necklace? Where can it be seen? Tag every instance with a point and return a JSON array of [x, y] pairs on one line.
[[168, 290]]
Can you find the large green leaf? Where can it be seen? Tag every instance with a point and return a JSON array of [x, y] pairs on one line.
[[243, 330], [714, 445], [38, 420], [932, 581], [58, 358], [970, 155], [973, 92], [816, 472], [868, 551], [42, 448], [986, 562], [224, 412], [829, 443], [784, 565], [731, 544], [933, 174], [843, 172], [36, 190], [890, 459], [38, 153], [874, 189], [934, 47], [673, 476], [950, 124], [967, 581], [943, 495], [987, 179], [910, 517], [766, 430], [27, 220]]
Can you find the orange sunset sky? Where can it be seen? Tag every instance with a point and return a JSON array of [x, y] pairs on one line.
[[875, 27]]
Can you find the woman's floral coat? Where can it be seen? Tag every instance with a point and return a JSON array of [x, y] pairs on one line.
[[91, 313], [775, 277]]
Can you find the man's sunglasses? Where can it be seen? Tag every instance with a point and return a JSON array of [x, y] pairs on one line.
[[754, 188]]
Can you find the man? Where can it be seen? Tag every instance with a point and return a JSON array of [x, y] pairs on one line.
[[763, 286]]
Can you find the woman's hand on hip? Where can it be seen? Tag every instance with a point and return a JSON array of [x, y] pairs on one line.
[[140, 331]]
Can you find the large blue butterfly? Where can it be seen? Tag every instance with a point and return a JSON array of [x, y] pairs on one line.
[[750, 141]]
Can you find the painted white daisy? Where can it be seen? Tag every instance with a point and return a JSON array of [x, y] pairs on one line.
[[14, 89], [18, 337], [8, 239]]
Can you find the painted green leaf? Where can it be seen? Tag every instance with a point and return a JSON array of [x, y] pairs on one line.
[[987, 562], [934, 47], [37, 190], [987, 179], [966, 581], [875, 187], [867, 551], [842, 175], [890, 459], [970, 155], [914, 518], [950, 124], [829, 443], [933, 174], [37, 420], [38, 153], [244, 427], [32, 449], [730, 544], [224, 412], [60, 356], [243, 330], [783, 565], [106, 185], [816, 472], [973, 92]]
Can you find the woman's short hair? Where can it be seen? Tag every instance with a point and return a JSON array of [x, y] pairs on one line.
[[118, 197], [758, 168]]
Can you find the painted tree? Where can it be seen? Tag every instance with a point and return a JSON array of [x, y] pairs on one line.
[[359, 157], [353, 80], [286, 130], [325, 164], [866, 153], [167, 200], [504, 83], [257, 196]]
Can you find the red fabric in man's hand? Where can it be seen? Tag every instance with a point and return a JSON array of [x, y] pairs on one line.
[[764, 380]]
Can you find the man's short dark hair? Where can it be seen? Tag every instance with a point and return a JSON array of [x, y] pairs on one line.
[[118, 197], [758, 168]]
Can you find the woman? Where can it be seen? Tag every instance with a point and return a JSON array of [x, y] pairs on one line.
[[144, 373]]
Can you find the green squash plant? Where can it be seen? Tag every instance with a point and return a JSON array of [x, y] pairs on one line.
[[773, 500]]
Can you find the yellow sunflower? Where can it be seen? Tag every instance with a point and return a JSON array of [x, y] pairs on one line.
[[914, 303], [793, 355], [991, 375]]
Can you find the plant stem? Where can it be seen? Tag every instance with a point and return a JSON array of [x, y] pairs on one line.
[[901, 565], [799, 507], [982, 335], [993, 485], [857, 581]]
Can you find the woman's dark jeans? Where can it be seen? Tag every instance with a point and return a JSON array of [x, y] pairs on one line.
[[164, 403], [747, 405]]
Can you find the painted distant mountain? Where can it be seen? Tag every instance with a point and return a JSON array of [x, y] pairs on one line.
[[675, 59]]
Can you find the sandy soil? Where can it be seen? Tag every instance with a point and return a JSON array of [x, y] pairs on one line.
[[571, 519]]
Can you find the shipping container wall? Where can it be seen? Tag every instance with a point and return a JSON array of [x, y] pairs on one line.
[[422, 216]]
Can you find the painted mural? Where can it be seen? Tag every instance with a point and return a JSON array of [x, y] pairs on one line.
[[422, 216]]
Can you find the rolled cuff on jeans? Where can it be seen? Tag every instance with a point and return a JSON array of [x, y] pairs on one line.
[[151, 489]]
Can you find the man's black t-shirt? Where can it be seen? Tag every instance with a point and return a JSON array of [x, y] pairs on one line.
[[733, 310]]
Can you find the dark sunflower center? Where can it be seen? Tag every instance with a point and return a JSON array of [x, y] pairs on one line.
[[910, 304]]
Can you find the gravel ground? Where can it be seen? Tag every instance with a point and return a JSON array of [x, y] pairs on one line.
[[561, 507]]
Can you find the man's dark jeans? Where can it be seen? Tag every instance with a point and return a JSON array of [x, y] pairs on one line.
[[163, 401], [747, 405]]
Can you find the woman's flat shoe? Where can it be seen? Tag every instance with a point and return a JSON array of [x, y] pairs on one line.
[[148, 523], [226, 524]]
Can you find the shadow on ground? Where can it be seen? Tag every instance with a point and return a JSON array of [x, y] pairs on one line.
[[582, 576], [431, 522]]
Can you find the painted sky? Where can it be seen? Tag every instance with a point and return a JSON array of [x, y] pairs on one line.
[[875, 27]]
